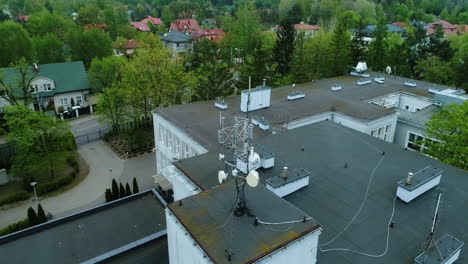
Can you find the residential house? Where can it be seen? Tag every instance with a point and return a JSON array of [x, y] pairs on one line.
[[95, 26], [59, 87], [177, 41], [187, 26], [447, 28], [127, 48], [140, 26], [306, 29], [391, 28], [155, 21], [213, 35], [23, 18]]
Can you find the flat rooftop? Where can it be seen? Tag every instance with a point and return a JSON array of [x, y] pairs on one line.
[[208, 217], [341, 161], [200, 120], [88, 234]]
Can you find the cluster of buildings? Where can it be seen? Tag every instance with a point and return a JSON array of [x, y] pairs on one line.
[[318, 172]]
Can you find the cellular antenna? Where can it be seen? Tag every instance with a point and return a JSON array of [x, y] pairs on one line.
[[434, 222]]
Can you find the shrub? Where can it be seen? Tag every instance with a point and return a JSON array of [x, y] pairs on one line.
[[128, 191], [15, 197], [135, 186], [54, 185], [41, 216], [20, 225], [108, 195], [32, 216]]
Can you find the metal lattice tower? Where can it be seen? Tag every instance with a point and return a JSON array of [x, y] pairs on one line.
[[236, 137]]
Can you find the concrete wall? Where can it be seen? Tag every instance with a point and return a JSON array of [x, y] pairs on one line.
[[172, 143]]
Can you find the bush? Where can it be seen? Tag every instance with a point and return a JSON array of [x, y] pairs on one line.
[[20, 225], [54, 185], [15, 197]]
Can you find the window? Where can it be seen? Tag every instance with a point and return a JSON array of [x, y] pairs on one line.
[[78, 100], [417, 109], [407, 107], [416, 142], [64, 101], [47, 87], [34, 88], [372, 133], [388, 128]]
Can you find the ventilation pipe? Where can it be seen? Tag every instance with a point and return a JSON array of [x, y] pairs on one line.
[[409, 179], [285, 173]]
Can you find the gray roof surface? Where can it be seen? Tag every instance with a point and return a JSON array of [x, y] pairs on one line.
[[83, 236], [335, 193], [418, 118], [67, 77], [208, 217], [155, 251], [390, 28], [176, 36], [200, 120]]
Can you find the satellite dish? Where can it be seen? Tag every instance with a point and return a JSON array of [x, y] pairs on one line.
[[221, 156], [294, 85], [388, 70], [252, 178], [222, 176]]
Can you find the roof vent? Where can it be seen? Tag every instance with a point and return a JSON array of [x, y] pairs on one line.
[[261, 122], [445, 251], [296, 95], [336, 87], [379, 79], [221, 104], [410, 84], [360, 69], [418, 183], [266, 159], [288, 182], [363, 81]]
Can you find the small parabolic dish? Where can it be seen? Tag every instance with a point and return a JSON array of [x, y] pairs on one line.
[[222, 176], [253, 178]]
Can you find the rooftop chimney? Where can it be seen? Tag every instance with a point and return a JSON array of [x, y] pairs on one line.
[[36, 69], [409, 178]]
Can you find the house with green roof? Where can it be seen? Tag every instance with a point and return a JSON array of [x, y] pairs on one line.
[[56, 86]]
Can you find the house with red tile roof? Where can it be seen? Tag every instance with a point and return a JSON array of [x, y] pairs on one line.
[[214, 35], [154, 20], [185, 26], [140, 26], [95, 26], [399, 24], [447, 28], [127, 49], [306, 29]]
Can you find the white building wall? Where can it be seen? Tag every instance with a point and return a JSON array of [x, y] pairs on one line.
[[403, 130], [413, 103], [74, 95], [181, 185], [184, 249], [40, 82], [172, 143]]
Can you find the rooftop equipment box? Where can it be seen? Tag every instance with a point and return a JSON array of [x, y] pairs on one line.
[[259, 98]]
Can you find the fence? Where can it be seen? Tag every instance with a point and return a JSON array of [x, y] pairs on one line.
[[101, 133]]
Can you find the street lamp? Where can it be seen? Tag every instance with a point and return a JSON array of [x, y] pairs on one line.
[[33, 184]]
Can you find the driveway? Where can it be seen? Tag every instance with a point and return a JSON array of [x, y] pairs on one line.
[[90, 192], [86, 125]]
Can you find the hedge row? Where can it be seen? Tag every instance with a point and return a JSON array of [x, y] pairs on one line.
[[44, 188], [20, 225], [15, 197]]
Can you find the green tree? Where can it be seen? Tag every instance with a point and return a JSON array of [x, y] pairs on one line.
[[284, 47], [135, 186], [112, 107], [90, 44], [435, 70], [121, 191], [14, 43], [49, 49], [105, 72], [45, 23], [115, 16], [108, 195], [115, 190], [320, 56], [358, 45], [300, 63], [17, 90], [41, 216], [32, 217], [166, 15], [340, 49], [128, 191], [259, 65], [449, 127], [43, 143], [90, 14], [378, 47], [461, 78]]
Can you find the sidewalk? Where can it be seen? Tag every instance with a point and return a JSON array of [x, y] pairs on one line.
[[87, 194]]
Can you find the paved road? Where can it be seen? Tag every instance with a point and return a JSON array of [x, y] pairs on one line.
[[86, 125], [90, 192]]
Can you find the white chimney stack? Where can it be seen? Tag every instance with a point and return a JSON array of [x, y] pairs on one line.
[[409, 178]]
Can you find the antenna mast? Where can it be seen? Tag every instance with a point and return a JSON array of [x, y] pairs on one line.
[[434, 221]]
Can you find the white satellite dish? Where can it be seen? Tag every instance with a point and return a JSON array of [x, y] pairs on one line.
[[221, 156], [294, 85], [388, 70], [222, 176], [252, 178]]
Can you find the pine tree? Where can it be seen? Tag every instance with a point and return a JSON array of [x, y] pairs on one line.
[[115, 190], [284, 46], [135, 186], [300, 64], [358, 45], [121, 191], [41, 216], [108, 195], [378, 47], [128, 191], [32, 217], [340, 49]]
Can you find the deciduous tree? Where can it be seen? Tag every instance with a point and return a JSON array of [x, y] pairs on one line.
[[112, 106], [17, 89], [14, 43]]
